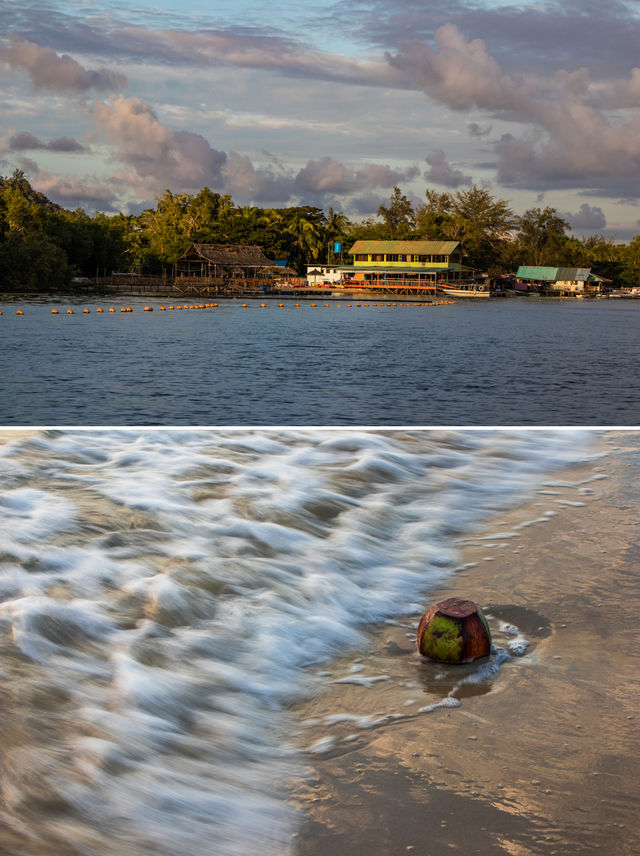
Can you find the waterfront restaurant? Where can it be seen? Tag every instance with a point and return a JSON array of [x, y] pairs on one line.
[[403, 267]]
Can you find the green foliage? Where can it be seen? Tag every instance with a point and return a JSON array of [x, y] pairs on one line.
[[43, 246], [473, 217], [541, 237], [399, 217]]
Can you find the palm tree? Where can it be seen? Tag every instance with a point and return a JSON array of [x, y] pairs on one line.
[[336, 226]]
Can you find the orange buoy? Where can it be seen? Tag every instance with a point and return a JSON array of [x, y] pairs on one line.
[[69, 311], [171, 307], [54, 311], [163, 309], [86, 311], [263, 305], [280, 304], [19, 312], [111, 309], [148, 308], [99, 309]]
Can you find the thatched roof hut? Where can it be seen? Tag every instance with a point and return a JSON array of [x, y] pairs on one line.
[[227, 255]]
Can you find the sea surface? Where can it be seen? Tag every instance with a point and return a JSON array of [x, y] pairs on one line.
[[500, 362], [166, 596]]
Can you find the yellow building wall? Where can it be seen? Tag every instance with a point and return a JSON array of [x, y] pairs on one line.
[[402, 263]]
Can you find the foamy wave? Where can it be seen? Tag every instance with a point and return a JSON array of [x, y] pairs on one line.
[[174, 587]]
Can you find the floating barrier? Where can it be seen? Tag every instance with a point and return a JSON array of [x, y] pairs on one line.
[[163, 307]]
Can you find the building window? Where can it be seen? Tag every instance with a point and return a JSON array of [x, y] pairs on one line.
[[377, 257], [362, 257], [392, 257]]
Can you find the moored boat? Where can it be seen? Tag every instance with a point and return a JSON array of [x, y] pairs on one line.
[[465, 288]]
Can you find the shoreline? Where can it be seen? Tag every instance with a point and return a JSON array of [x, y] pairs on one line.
[[538, 758]]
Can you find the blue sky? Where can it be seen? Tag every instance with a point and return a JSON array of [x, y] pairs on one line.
[[106, 104]]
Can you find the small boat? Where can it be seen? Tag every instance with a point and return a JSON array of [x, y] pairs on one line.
[[465, 288]]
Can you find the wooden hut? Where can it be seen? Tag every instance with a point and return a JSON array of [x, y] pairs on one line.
[[226, 267]]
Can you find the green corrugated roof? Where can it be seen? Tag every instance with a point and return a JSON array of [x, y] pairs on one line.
[[421, 248], [554, 274]]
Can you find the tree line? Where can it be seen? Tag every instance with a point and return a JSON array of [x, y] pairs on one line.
[[43, 245]]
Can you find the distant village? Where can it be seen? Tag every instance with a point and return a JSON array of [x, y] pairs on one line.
[[415, 268], [466, 244]]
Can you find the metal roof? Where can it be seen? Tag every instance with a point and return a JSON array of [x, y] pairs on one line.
[[554, 274], [425, 248]]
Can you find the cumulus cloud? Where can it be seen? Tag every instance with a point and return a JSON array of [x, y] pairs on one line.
[[571, 137], [441, 171], [172, 158], [260, 184], [327, 175], [75, 192], [56, 73], [588, 218], [459, 73], [153, 156], [25, 141]]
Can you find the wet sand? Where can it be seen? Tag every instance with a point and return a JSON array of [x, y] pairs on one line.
[[540, 758]]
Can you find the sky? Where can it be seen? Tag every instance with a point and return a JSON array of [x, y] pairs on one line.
[[106, 104]]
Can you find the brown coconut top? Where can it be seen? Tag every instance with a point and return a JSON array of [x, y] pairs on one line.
[[456, 607]]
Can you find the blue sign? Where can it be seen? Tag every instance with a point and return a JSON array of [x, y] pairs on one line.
[[337, 247]]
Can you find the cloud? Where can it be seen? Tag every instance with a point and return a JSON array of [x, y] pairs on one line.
[[76, 192], [25, 141], [155, 156], [327, 175], [56, 73], [589, 217], [171, 158], [572, 137], [441, 171], [459, 73], [242, 179], [477, 131]]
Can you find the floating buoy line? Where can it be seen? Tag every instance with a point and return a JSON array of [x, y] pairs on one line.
[[188, 306]]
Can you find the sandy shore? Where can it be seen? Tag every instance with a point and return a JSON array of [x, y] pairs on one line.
[[539, 758]]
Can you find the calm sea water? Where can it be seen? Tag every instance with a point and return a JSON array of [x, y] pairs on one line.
[[166, 595], [511, 362]]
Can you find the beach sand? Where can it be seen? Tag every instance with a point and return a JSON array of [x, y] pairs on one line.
[[540, 758]]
